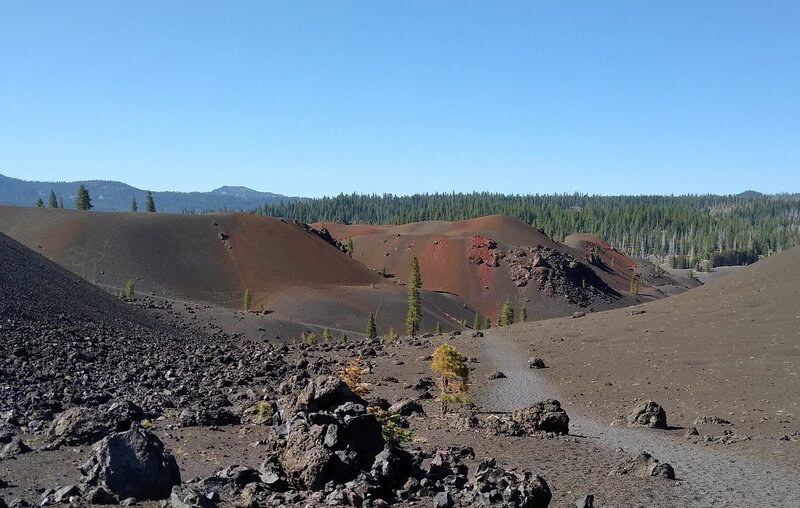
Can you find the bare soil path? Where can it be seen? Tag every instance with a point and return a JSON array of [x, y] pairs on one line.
[[713, 478]]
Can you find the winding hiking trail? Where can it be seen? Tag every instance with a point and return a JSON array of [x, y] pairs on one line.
[[714, 479]]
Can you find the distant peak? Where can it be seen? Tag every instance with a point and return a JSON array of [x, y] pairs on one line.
[[234, 190]]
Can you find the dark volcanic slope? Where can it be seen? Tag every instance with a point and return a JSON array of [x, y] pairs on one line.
[[66, 343], [33, 287]]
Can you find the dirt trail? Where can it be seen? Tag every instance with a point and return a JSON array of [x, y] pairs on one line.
[[714, 479]]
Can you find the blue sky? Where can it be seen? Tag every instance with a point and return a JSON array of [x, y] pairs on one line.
[[317, 98]]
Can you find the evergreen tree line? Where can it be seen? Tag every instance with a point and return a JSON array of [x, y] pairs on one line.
[[696, 226]]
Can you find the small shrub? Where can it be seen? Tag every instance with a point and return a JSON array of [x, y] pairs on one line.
[[451, 368], [391, 426], [264, 412], [246, 300], [351, 374], [309, 338], [145, 423], [390, 336], [129, 290]]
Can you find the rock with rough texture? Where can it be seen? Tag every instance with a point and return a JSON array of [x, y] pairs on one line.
[[330, 435], [392, 466], [76, 426], [407, 408], [99, 495], [586, 501], [536, 363], [544, 416], [644, 465], [493, 485], [648, 414], [15, 447], [132, 464], [443, 500], [710, 420], [496, 375]]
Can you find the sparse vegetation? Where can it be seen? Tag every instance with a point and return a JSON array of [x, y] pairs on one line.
[[309, 337], [149, 204], [246, 300], [414, 314], [349, 247], [145, 423], [264, 412], [352, 375], [438, 328], [506, 314], [391, 426], [453, 375], [523, 314], [372, 329], [476, 323], [82, 200], [390, 336], [130, 290], [326, 334]]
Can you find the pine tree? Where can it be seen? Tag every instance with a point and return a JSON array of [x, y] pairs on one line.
[[451, 367], [82, 199], [134, 205], [52, 200], [39, 203], [350, 246], [487, 324], [476, 323], [149, 205], [246, 300], [414, 314], [129, 290], [372, 330], [523, 314], [506, 314], [438, 328], [61, 202], [326, 334]]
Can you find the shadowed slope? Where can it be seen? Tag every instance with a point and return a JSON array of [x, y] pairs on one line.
[[34, 288]]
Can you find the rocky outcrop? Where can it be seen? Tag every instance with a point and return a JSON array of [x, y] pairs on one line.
[[644, 465], [648, 414], [407, 408], [483, 251], [329, 435], [544, 416], [557, 274], [132, 464]]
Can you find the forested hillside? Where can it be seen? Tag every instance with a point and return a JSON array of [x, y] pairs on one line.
[[740, 227]]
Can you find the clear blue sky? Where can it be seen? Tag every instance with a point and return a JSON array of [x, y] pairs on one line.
[[317, 98]]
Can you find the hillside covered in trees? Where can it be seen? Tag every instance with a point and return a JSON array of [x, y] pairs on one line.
[[722, 229]]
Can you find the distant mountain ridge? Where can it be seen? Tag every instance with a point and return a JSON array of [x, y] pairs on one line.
[[116, 196]]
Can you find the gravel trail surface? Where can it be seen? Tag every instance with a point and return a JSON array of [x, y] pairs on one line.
[[714, 479]]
